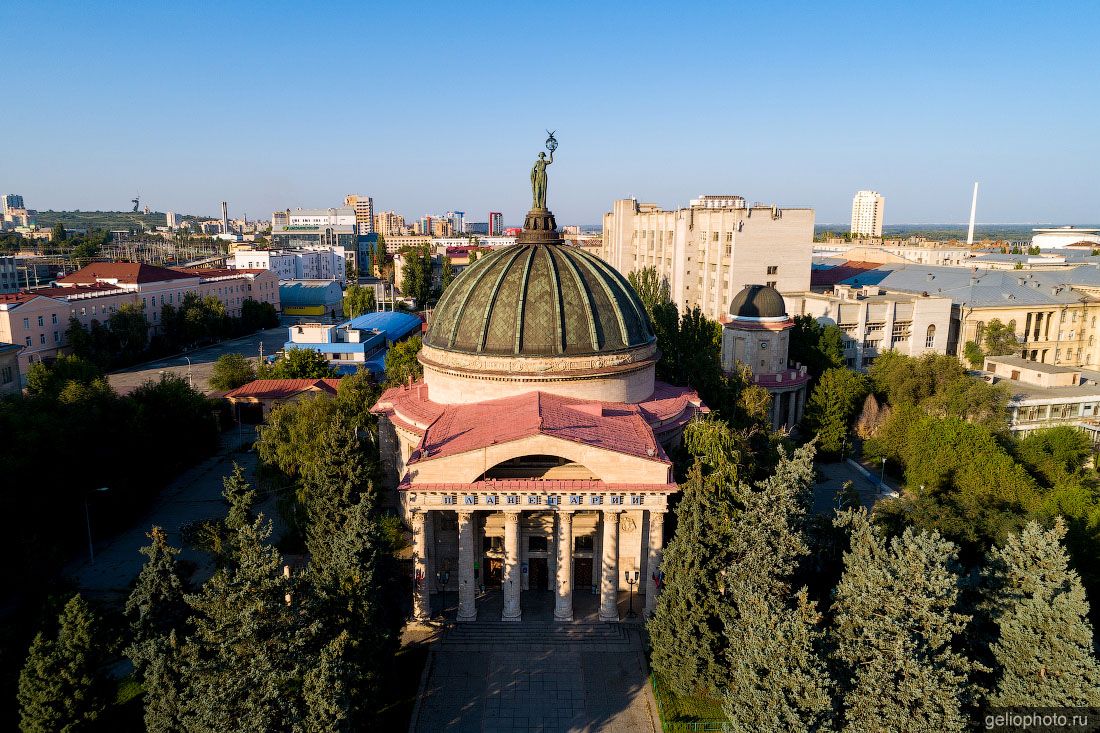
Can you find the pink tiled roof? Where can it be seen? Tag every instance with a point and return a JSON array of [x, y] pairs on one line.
[[273, 389], [536, 485]]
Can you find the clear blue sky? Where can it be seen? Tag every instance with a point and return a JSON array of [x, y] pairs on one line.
[[434, 106]]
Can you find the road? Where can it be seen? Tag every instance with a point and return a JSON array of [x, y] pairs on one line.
[[202, 361], [834, 475]]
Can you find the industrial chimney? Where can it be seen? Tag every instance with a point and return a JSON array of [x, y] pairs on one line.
[[225, 218]]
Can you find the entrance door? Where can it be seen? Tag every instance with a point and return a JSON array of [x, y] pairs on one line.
[[540, 574], [494, 572], [582, 572]]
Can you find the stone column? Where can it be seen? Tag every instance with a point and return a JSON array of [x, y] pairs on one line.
[[792, 408], [563, 600], [467, 589], [653, 563], [422, 606], [512, 578], [609, 579]]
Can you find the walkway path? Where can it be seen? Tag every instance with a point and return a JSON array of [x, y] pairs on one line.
[[491, 677]]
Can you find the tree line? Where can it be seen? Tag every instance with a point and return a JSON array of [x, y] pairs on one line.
[[801, 622]]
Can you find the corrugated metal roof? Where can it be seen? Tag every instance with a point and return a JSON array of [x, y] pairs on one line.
[[394, 324]]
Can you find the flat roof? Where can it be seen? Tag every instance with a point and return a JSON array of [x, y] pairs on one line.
[[1036, 366]]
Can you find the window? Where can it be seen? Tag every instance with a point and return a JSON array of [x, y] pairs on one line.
[[41, 322], [28, 341], [53, 318], [771, 284], [930, 337], [42, 339], [536, 544], [26, 323], [57, 337], [773, 269], [6, 375]]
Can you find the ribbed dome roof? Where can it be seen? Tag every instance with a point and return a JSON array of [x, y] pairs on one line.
[[758, 301], [539, 300]]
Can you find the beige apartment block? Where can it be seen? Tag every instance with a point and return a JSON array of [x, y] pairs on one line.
[[1062, 334], [874, 321], [709, 254]]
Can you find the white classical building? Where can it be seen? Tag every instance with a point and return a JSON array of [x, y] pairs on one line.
[[711, 250], [867, 213], [531, 458]]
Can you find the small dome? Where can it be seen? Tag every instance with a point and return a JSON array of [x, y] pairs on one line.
[[758, 301], [539, 300]]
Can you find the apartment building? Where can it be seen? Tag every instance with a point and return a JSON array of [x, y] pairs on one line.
[[307, 263], [709, 251], [363, 206], [867, 212]]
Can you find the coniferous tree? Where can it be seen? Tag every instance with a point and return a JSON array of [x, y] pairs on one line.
[[325, 692], [776, 679], [62, 685], [349, 585], [163, 686], [687, 631], [1043, 654], [341, 477], [896, 624], [156, 605], [243, 664]]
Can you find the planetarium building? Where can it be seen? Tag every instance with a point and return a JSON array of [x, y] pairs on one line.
[[530, 461]]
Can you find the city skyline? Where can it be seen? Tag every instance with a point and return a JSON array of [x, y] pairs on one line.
[[768, 115]]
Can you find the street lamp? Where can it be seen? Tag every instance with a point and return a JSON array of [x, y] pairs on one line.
[[882, 476], [631, 580], [88, 520], [190, 381]]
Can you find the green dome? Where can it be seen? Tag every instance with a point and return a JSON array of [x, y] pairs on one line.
[[539, 300]]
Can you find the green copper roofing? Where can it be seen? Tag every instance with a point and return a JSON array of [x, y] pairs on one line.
[[539, 300]]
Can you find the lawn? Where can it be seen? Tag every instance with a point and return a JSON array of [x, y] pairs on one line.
[[675, 709]]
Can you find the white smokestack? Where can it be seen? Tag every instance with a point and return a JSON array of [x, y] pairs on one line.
[[973, 211]]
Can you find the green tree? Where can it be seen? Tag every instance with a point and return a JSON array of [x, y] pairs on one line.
[[57, 233], [448, 273], [163, 686], [378, 256], [156, 605], [974, 354], [243, 664], [652, 289], [257, 314], [401, 362], [896, 625], [49, 380], [1043, 652], [62, 686], [999, 339], [816, 346], [130, 332], [832, 407], [416, 275], [231, 371], [327, 699], [358, 300], [298, 364]]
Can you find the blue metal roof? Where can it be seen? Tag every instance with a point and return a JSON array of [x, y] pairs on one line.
[[395, 324], [310, 292]]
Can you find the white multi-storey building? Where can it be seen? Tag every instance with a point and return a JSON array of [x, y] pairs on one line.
[[315, 263], [867, 208], [363, 206], [709, 253]]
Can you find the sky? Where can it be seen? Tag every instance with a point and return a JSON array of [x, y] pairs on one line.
[[430, 107]]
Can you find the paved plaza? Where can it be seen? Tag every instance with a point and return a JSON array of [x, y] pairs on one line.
[[493, 676]]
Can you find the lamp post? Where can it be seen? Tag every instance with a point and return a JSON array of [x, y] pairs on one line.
[[631, 580], [190, 381], [88, 521], [441, 579], [882, 476]]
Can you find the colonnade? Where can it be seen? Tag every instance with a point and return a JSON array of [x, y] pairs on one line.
[[511, 580]]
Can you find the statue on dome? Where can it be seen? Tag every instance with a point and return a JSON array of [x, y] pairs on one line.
[[538, 173]]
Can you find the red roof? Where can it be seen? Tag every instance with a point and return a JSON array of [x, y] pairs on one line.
[[104, 288], [18, 298], [131, 273], [275, 389], [833, 275], [623, 428]]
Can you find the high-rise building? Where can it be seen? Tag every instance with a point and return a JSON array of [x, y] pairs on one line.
[[11, 201], [707, 254], [389, 224], [867, 207], [364, 212], [225, 217], [458, 221], [170, 219], [496, 224]]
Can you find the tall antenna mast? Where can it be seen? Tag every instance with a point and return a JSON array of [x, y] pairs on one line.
[[973, 211]]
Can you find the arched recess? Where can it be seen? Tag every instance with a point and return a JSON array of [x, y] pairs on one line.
[[538, 466]]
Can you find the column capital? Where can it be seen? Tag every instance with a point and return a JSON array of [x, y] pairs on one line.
[[512, 517], [465, 514]]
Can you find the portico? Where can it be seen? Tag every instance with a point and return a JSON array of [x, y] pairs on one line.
[[564, 545]]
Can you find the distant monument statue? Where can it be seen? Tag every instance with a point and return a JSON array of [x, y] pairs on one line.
[[538, 174]]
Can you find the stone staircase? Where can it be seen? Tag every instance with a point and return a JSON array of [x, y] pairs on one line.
[[535, 635]]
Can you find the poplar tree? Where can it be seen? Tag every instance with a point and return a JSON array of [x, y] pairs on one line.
[[1043, 654], [62, 686], [244, 662], [896, 625]]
